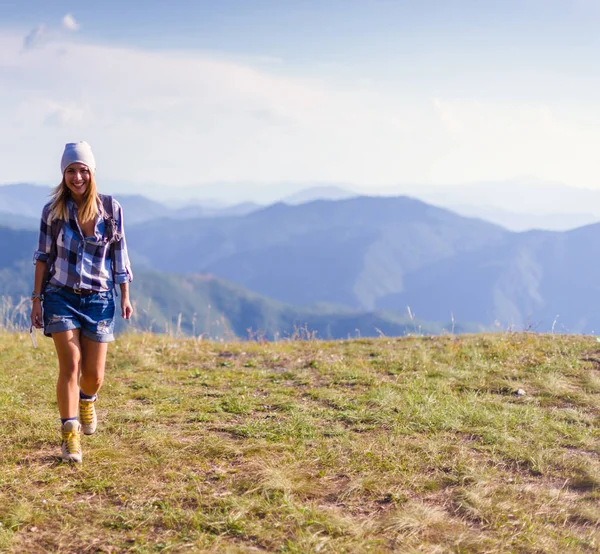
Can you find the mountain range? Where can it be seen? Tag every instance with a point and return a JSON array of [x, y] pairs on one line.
[[390, 253], [360, 257], [348, 252], [21, 206], [204, 305], [517, 205]]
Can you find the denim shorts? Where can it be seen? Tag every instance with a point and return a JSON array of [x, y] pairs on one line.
[[94, 314]]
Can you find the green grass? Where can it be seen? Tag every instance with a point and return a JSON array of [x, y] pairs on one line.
[[378, 445]]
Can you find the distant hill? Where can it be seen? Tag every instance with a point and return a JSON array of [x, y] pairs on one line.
[[201, 210], [16, 245], [526, 195], [539, 279], [204, 304], [516, 221], [517, 205], [349, 252], [21, 206], [318, 193], [216, 308], [389, 253], [372, 256], [219, 194], [24, 199], [15, 221], [138, 209]]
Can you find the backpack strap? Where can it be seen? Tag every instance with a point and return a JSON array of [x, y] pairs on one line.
[[111, 228], [111, 232]]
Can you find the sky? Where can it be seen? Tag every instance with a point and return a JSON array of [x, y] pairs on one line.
[[365, 92]]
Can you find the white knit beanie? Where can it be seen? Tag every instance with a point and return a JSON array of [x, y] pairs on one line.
[[78, 152]]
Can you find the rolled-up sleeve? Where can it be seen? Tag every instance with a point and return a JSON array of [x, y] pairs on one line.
[[123, 273], [45, 240]]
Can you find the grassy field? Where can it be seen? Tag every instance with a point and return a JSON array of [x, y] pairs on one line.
[[387, 445]]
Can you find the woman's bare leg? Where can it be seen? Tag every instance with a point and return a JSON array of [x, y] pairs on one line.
[[68, 350], [93, 361]]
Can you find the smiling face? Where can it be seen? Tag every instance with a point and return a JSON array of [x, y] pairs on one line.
[[77, 178]]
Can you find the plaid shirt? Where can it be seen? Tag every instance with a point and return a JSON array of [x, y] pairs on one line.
[[83, 263]]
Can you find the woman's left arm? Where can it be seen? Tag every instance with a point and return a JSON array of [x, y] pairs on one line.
[[126, 307]]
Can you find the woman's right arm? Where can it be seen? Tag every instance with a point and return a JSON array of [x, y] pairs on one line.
[[40, 259], [36, 303]]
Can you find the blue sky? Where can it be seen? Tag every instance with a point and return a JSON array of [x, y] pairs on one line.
[[362, 92]]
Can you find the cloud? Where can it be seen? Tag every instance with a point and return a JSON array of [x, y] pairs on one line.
[[185, 118], [505, 140], [67, 115], [69, 23], [34, 37], [43, 34]]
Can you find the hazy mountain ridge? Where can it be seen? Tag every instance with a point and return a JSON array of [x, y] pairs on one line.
[[207, 305], [537, 279], [517, 205], [516, 221], [16, 245], [520, 195], [24, 199], [390, 253], [373, 253], [348, 252], [17, 221], [319, 193], [21, 206]]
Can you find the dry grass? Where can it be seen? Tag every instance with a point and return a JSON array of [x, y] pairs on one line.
[[387, 445]]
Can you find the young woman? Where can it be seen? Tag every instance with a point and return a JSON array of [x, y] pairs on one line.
[[81, 257]]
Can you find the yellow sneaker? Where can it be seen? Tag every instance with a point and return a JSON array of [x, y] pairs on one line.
[[71, 441], [87, 416]]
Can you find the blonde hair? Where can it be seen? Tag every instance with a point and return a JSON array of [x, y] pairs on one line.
[[86, 212]]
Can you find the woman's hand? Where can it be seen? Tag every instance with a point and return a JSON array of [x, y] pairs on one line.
[[126, 307], [36, 313]]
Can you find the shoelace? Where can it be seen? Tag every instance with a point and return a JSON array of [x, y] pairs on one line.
[[73, 441], [86, 410]]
